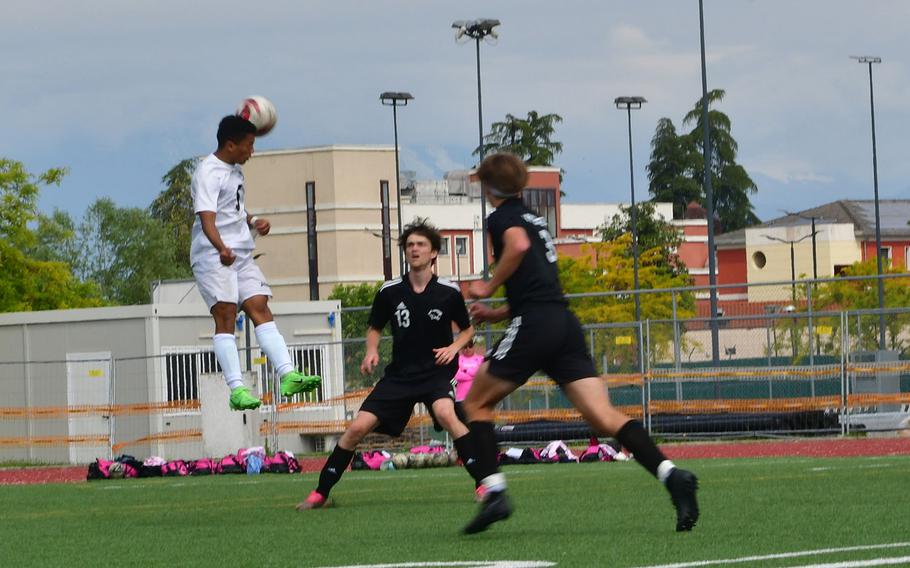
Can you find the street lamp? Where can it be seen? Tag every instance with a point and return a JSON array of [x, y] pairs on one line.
[[478, 30], [791, 242], [396, 100], [812, 218], [709, 192], [628, 103], [869, 60]]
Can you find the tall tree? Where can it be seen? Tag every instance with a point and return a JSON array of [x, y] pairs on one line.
[[677, 165], [731, 185], [670, 169], [174, 209], [125, 250], [529, 138]]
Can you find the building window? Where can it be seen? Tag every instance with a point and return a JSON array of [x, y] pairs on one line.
[[885, 253], [759, 259], [182, 371], [309, 360], [543, 203], [444, 246], [461, 246]]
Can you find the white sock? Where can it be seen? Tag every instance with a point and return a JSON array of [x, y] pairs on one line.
[[229, 358], [495, 482], [271, 341], [664, 469]]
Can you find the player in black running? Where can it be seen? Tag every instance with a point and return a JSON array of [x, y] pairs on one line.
[[421, 309], [542, 334]]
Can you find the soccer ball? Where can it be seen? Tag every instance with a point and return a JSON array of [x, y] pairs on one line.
[[400, 461], [440, 459], [260, 111], [417, 460]]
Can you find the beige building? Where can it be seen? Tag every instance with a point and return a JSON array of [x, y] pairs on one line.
[[348, 212], [345, 182]]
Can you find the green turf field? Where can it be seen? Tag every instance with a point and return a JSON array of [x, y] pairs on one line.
[[602, 514]]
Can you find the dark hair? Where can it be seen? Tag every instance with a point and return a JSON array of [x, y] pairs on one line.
[[420, 226], [234, 128], [504, 172]]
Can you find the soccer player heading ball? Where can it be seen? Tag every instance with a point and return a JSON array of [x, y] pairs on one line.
[[421, 309], [542, 334], [221, 254]]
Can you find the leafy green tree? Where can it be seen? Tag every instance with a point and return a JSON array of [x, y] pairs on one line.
[[670, 171], [354, 330], [173, 207], [529, 138], [730, 182], [55, 238], [125, 250], [19, 192], [677, 165], [28, 282], [607, 267], [653, 233]]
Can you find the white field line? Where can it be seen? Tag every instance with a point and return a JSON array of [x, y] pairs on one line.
[[781, 555], [860, 563]]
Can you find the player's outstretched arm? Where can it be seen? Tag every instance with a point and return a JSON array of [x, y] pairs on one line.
[[515, 246], [481, 313], [371, 359], [445, 355]]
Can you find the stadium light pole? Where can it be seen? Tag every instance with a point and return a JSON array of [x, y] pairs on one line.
[[869, 60], [479, 30], [627, 104], [709, 193], [395, 100]]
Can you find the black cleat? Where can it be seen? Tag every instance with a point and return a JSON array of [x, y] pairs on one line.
[[495, 507], [682, 485]]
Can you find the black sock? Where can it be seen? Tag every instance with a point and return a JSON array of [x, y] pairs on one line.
[[485, 449], [635, 439], [333, 469], [466, 452]]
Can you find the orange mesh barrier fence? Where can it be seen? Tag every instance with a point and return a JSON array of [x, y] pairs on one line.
[[49, 412], [175, 436], [54, 441]]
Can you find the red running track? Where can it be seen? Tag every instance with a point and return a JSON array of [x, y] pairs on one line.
[[819, 448]]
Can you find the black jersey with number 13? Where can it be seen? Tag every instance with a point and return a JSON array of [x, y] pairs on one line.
[[536, 280], [420, 323]]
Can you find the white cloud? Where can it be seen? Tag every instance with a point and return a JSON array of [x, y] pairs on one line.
[[786, 170]]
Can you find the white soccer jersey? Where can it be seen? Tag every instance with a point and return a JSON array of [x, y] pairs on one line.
[[218, 186]]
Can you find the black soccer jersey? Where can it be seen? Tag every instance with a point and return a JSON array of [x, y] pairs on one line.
[[536, 280], [420, 323]]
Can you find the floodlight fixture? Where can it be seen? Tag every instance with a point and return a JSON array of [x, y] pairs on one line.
[[390, 98], [625, 103], [866, 58]]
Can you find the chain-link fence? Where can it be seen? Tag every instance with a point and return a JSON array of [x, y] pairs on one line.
[[822, 360]]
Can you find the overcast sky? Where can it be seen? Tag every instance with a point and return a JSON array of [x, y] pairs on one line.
[[119, 92]]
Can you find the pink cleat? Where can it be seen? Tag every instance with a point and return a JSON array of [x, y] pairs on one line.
[[480, 493], [314, 500]]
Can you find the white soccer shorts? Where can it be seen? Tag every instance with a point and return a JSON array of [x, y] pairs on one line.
[[233, 284]]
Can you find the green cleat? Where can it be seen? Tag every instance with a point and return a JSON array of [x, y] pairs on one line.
[[294, 382], [241, 399]]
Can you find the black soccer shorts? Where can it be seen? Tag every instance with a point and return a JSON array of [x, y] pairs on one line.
[[545, 337], [392, 400]]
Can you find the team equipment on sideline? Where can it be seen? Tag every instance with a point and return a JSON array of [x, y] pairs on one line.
[[260, 111]]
